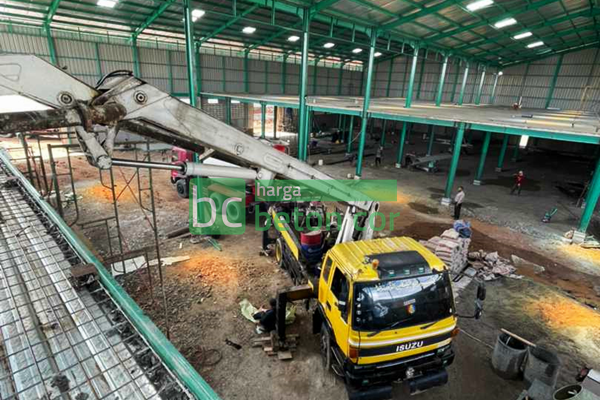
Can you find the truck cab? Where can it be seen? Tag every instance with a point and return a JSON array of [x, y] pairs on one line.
[[386, 313]]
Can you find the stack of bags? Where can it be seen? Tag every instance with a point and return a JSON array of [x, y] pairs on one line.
[[449, 247]]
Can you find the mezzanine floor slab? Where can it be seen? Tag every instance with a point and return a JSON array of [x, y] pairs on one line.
[[566, 125]]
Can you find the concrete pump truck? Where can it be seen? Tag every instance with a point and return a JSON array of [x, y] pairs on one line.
[[384, 307]]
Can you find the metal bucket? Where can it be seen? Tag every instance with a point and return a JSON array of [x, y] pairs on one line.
[[575, 392], [543, 365], [508, 356]]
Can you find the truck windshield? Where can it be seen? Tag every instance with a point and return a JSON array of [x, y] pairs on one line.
[[403, 302]]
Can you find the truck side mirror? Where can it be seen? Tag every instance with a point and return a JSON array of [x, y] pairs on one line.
[[481, 291]]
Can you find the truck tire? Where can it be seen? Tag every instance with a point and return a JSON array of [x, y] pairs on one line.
[[325, 347], [182, 187], [279, 252]]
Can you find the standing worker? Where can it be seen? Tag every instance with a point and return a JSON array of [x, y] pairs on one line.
[[378, 156], [519, 179], [458, 202]]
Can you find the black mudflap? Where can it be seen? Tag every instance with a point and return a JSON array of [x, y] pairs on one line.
[[370, 393]]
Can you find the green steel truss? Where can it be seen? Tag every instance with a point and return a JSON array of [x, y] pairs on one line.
[[440, 26]]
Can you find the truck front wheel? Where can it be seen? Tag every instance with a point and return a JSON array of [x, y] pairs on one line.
[[325, 347]]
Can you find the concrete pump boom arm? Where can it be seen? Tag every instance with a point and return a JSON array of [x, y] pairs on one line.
[[122, 101]]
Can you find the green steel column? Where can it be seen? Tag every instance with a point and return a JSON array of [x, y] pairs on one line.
[[454, 164], [339, 89], [463, 86], [284, 74], [400, 155], [246, 73], [189, 51], [228, 111], [493, 95], [421, 76], [365, 110], [389, 81], [480, 89], [98, 63], [51, 46], [431, 140], [170, 72], [263, 119], [591, 199], [440, 93], [198, 75], [502, 153], [554, 79], [224, 75], [383, 132], [314, 83], [303, 131], [274, 122], [515, 156], [484, 151], [350, 134], [455, 83], [136, 58], [411, 81]]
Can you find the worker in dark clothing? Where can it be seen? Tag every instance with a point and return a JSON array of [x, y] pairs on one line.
[[458, 202], [378, 156], [266, 319], [519, 179]]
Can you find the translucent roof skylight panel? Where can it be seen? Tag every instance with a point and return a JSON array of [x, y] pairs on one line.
[[414, 30], [435, 22], [394, 6]]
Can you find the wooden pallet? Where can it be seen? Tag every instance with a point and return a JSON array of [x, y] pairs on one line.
[[273, 347]]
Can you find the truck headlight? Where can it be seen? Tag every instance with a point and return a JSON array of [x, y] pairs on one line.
[[410, 373]]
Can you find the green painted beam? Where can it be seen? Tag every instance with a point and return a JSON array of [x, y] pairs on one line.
[[320, 6], [401, 143], [515, 156], [136, 59], [98, 62], [366, 103], [189, 51], [553, 82], [228, 118], [340, 79], [274, 122], [419, 14], [491, 21], [51, 45], [199, 75], [411, 81], [227, 25], [273, 36], [480, 88], [422, 72], [263, 120], [350, 135], [389, 80], [493, 95], [431, 132], [440, 93], [152, 17], [52, 10], [484, 150], [303, 131], [502, 155], [246, 74], [455, 83], [454, 164], [591, 199], [463, 86]]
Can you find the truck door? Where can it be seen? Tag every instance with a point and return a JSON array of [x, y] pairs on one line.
[[337, 307]]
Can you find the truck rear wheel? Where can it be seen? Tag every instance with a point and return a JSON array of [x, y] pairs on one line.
[[182, 188], [279, 252], [325, 347]]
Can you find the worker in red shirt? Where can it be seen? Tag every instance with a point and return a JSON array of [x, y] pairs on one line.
[[519, 179]]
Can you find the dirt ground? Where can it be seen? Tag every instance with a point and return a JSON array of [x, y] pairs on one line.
[[553, 308]]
